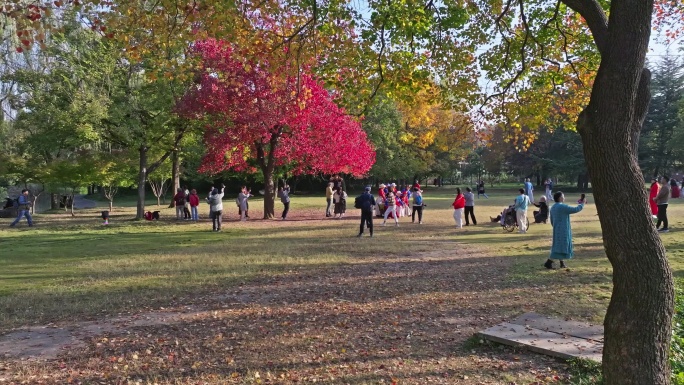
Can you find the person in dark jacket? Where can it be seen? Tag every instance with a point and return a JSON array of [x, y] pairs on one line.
[[481, 189], [367, 206], [24, 209], [542, 215], [179, 200]]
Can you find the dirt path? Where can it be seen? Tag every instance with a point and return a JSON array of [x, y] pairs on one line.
[[390, 320]]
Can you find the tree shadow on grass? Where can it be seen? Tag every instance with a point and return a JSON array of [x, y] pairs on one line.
[[381, 318]]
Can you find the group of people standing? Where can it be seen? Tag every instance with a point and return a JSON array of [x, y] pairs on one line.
[[559, 214], [336, 198], [464, 205], [215, 201], [186, 202], [400, 201], [526, 198], [393, 201]]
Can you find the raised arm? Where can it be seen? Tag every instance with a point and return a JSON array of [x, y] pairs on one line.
[[573, 210]]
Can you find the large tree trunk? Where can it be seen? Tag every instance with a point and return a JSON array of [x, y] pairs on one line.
[[70, 199], [638, 320], [267, 165], [175, 174], [142, 179], [269, 194], [54, 201]]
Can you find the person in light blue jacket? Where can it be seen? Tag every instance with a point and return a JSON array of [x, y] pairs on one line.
[[561, 248], [522, 201]]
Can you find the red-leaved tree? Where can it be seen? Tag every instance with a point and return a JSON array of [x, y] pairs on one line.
[[259, 117]]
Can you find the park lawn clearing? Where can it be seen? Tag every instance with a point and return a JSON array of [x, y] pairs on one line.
[[296, 301]]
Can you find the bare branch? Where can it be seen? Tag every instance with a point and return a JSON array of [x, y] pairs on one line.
[[379, 61]]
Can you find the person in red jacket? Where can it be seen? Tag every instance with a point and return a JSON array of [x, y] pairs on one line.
[[459, 205], [655, 188], [194, 202], [416, 185], [382, 199]]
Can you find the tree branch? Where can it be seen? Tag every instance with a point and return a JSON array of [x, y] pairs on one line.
[[596, 19], [155, 165]]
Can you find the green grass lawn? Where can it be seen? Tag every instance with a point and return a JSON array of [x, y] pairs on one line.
[[70, 268], [300, 300]]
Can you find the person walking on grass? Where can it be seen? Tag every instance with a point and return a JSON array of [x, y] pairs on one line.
[[417, 206], [459, 205], [284, 195], [469, 206], [481, 189], [215, 200], [23, 208], [391, 208], [193, 199], [522, 201], [561, 246], [529, 189], [662, 200], [366, 202]]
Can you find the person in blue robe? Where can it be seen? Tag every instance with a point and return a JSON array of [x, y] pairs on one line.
[[561, 248]]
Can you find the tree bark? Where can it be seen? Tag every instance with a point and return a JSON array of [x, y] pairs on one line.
[[267, 164], [638, 321], [142, 179], [269, 194], [70, 199], [54, 201], [175, 174]]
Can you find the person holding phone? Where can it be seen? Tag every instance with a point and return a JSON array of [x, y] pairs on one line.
[[561, 246], [215, 200]]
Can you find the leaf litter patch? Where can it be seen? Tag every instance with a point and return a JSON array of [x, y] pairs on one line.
[[385, 320]]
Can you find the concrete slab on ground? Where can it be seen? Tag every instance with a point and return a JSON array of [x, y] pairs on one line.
[[550, 336], [568, 327]]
